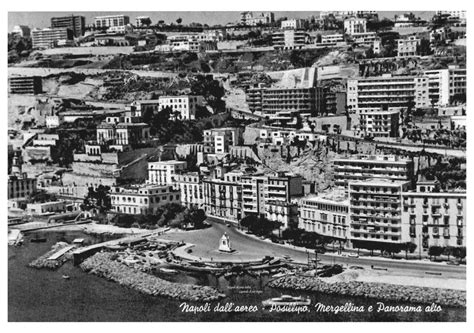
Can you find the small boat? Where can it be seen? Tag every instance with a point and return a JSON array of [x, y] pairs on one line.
[[279, 275], [168, 271], [38, 240], [66, 277], [286, 300]]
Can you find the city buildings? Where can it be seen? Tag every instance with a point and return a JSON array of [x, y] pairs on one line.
[[51, 37], [433, 218], [219, 140], [142, 199], [326, 214], [388, 91], [407, 47], [165, 172], [185, 105], [25, 85], [375, 211], [333, 38], [76, 24], [108, 21], [379, 123], [355, 25], [362, 167], [290, 39]]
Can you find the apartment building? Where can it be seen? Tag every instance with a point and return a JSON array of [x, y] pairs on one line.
[[223, 197], [365, 38], [39, 208], [25, 85], [326, 215], [191, 189], [219, 140], [20, 186], [363, 167], [142, 199], [375, 210], [334, 38], [379, 124], [51, 37], [76, 24], [185, 105], [165, 172], [355, 25], [434, 218], [294, 24], [108, 21], [269, 101], [289, 39], [407, 47], [248, 18], [445, 85], [271, 195], [387, 91], [22, 30]]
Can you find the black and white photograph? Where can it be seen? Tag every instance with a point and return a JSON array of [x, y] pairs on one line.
[[238, 165]]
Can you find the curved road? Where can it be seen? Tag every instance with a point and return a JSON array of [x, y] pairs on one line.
[[206, 241]]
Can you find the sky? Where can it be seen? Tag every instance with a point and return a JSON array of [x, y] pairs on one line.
[[42, 19]]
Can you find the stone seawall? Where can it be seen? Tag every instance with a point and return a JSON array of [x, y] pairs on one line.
[[103, 265], [389, 292]]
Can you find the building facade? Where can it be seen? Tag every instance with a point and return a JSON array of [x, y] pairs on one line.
[[20, 186], [76, 24], [165, 172], [446, 85], [185, 105], [51, 37], [191, 188], [219, 140], [289, 39], [294, 24], [408, 47], [25, 85], [355, 25], [108, 21], [382, 124]]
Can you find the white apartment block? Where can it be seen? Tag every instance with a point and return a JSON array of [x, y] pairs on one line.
[[326, 215], [362, 167], [289, 39], [165, 172], [383, 124], [355, 25], [142, 199], [191, 189], [445, 84], [434, 218], [329, 39], [294, 24], [365, 38], [407, 47], [375, 210], [219, 140], [111, 21], [186, 105], [387, 91], [51, 37]]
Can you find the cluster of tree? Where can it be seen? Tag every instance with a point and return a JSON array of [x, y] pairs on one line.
[[259, 225], [306, 58], [211, 89], [385, 248], [310, 240], [70, 142], [457, 252], [172, 214], [18, 47], [41, 196], [451, 175], [97, 199]]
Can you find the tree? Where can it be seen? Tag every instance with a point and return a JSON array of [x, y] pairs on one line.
[[409, 247], [435, 251], [145, 21], [179, 20], [98, 198]]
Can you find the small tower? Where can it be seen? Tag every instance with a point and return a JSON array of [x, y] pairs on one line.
[[224, 244]]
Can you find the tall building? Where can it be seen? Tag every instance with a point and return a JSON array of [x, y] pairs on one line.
[[165, 172], [363, 167], [25, 85], [387, 91], [326, 214], [111, 21], [355, 25], [75, 23], [191, 188], [289, 39], [51, 37], [380, 124], [375, 211], [432, 218], [446, 84], [219, 140]]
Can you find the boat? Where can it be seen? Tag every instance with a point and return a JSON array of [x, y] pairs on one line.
[[168, 271], [286, 300], [38, 240], [66, 277]]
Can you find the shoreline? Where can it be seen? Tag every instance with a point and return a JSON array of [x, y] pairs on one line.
[[376, 290]]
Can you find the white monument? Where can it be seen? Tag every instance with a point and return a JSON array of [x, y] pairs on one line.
[[224, 244]]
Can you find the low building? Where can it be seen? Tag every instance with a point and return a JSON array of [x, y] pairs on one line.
[[142, 199], [355, 25], [408, 47], [363, 167], [165, 172], [380, 124], [107, 21], [219, 140], [334, 38], [46, 207], [326, 214], [77, 24], [25, 85], [185, 105], [294, 24], [434, 218], [290, 39], [51, 37]]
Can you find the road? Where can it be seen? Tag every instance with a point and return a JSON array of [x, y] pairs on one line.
[[207, 241]]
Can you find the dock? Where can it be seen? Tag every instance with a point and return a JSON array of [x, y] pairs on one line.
[[61, 252]]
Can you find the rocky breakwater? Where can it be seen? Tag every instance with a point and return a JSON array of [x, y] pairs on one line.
[[103, 264], [45, 262], [385, 291]]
